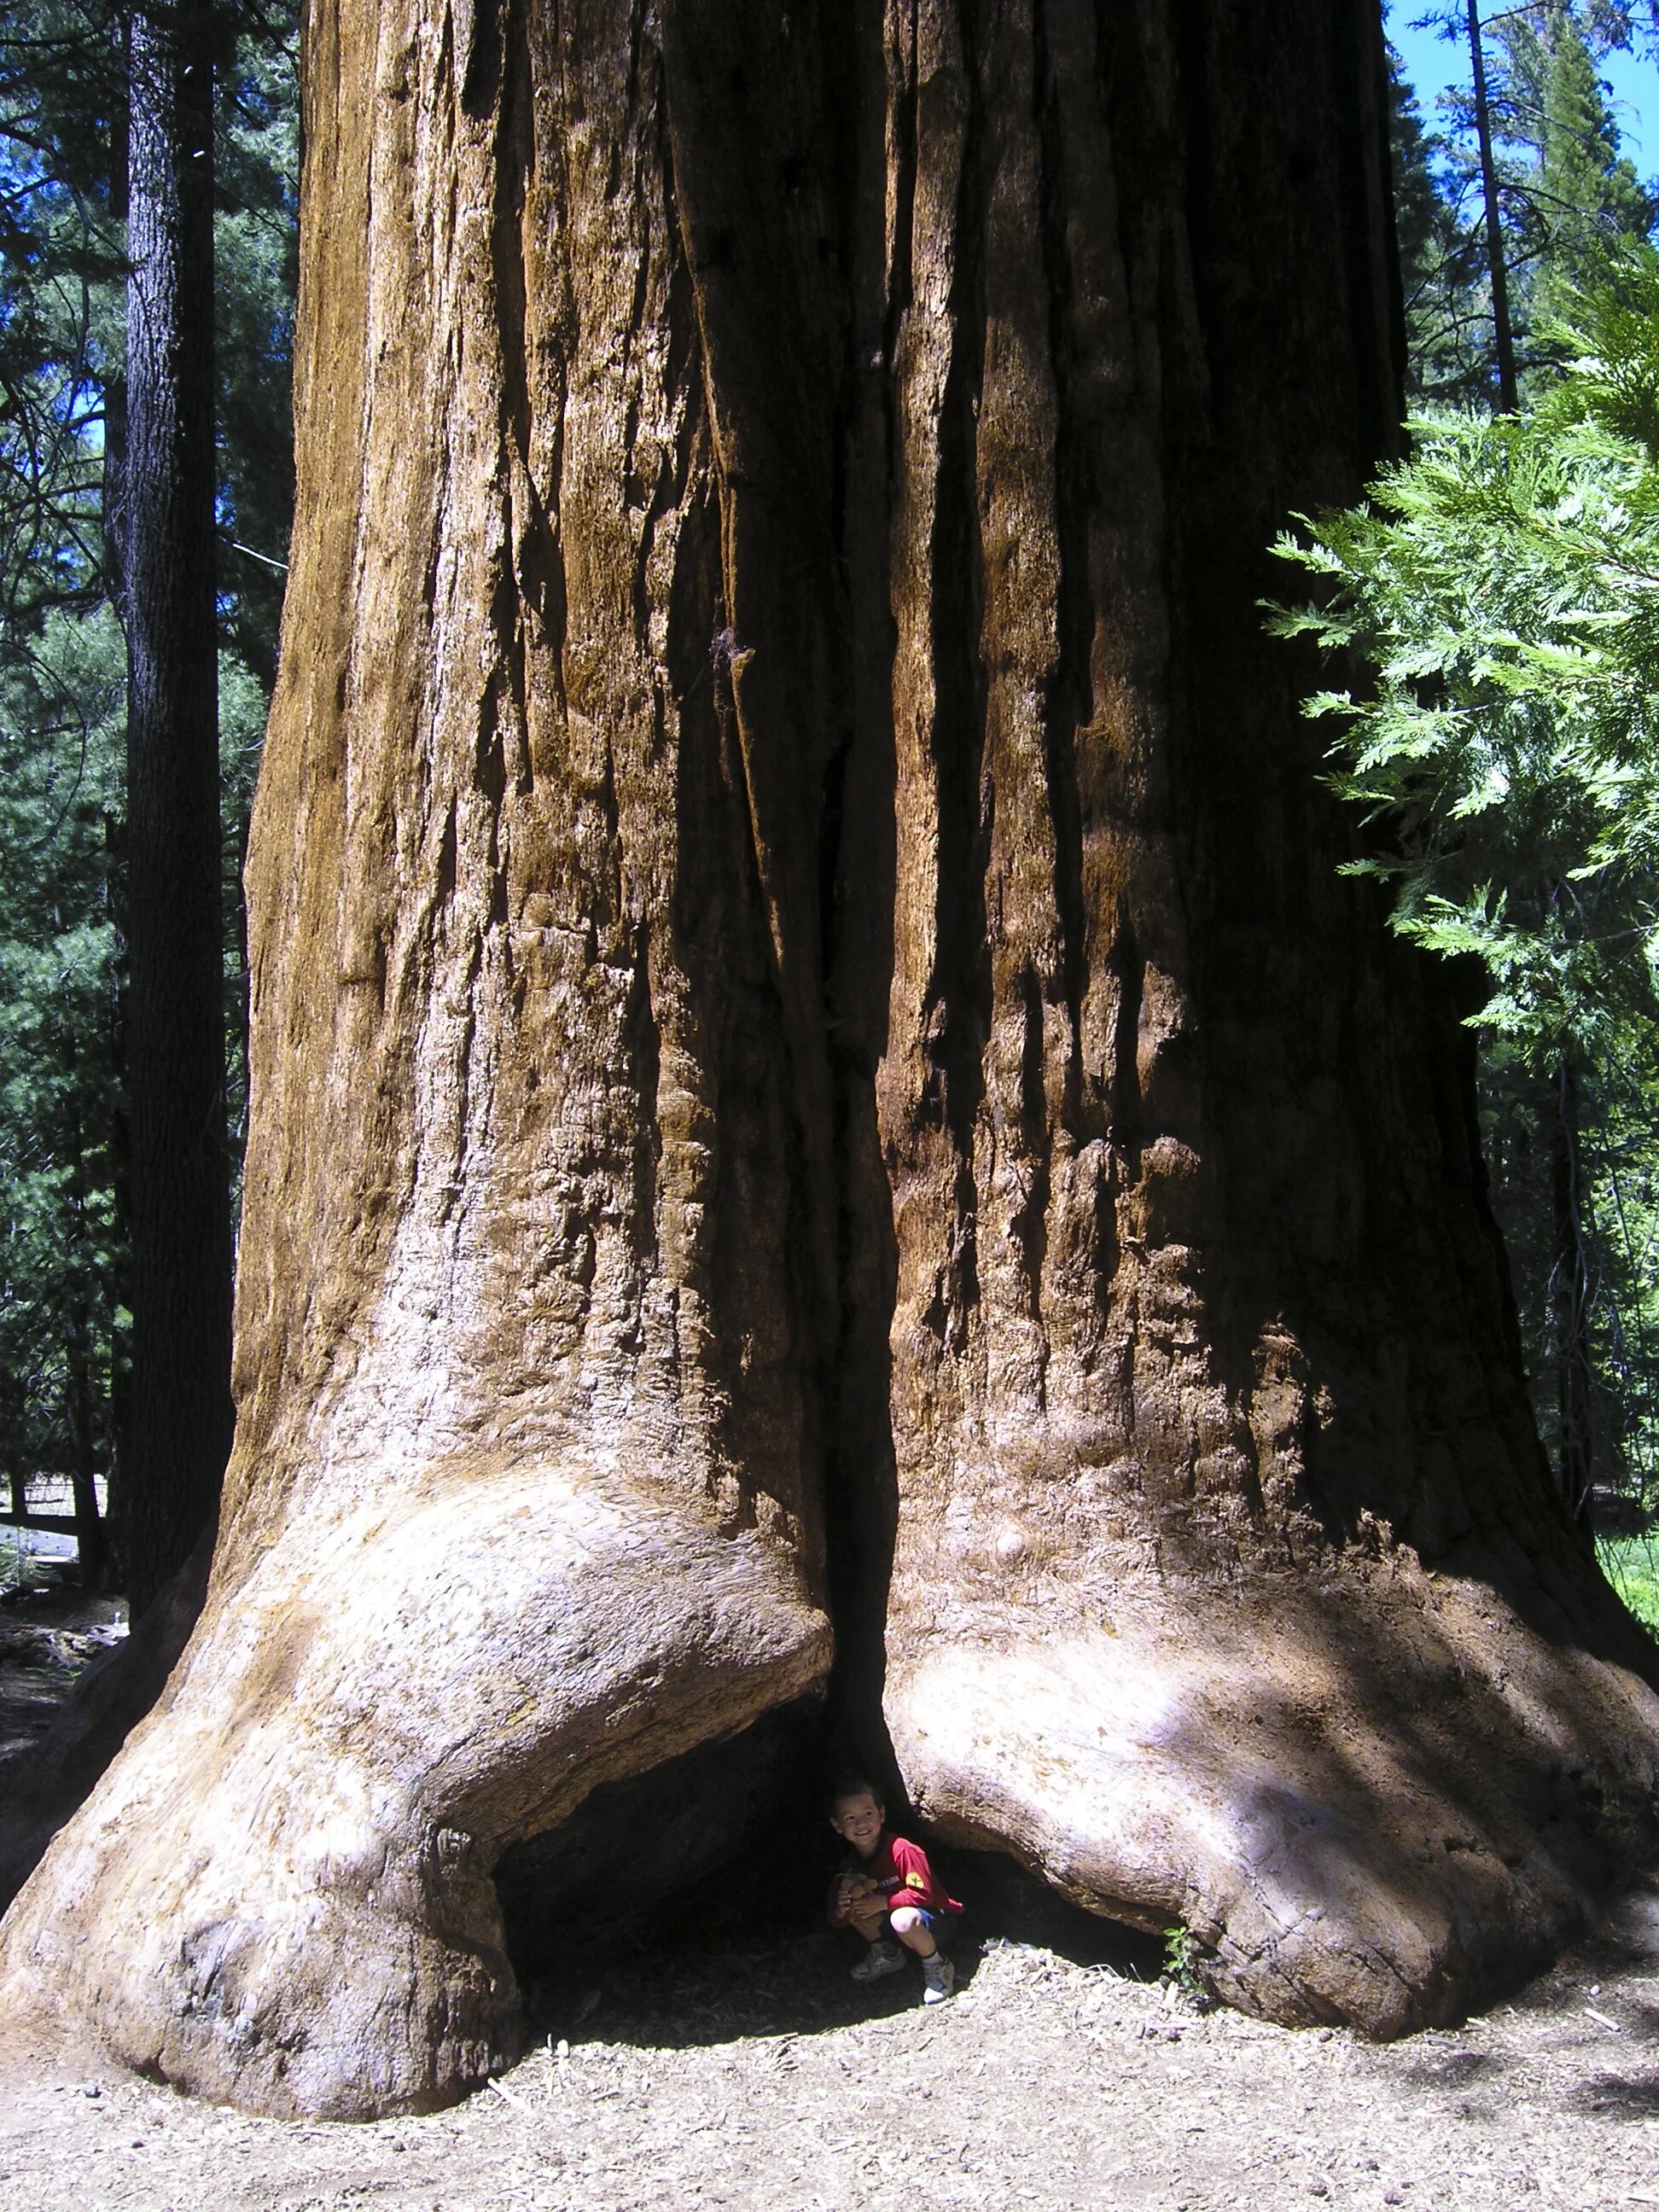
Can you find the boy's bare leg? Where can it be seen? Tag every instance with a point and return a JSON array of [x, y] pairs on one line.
[[913, 1931], [873, 1927]]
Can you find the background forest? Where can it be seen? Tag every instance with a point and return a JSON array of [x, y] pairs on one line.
[[1489, 618], [65, 160]]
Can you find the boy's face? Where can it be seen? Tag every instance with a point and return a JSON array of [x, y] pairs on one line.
[[858, 1819]]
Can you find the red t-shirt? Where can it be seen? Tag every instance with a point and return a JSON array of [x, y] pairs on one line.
[[900, 1870]]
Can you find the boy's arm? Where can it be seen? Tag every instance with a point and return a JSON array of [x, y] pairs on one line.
[[915, 1884], [852, 1893], [843, 1890]]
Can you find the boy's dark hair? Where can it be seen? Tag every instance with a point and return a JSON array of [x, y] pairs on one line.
[[854, 1785]]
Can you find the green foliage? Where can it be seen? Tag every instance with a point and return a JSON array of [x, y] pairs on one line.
[[1499, 587], [1631, 1563], [1493, 611], [60, 1232], [1499, 743], [1178, 1955], [1183, 1961]]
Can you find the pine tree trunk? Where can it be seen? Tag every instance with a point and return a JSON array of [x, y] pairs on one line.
[[180, 1419], [811, 1060]]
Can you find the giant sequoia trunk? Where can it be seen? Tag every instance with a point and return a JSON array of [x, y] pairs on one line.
[[811, 1061]]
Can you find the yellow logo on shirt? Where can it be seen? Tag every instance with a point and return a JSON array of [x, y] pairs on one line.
[[915, 1882]]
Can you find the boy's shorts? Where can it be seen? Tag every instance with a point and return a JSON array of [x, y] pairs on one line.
[[938, 1924]]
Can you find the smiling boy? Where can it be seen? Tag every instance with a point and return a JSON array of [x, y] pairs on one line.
[[886, 1883]]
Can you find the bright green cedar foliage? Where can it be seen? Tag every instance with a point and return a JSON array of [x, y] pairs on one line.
[[1502, 586]]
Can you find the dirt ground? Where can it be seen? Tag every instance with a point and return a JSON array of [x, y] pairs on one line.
[[759, 2078], [48, 1634]]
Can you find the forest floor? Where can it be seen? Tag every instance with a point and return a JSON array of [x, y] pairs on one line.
[[758, 2079], [48, 1634], [755, 2077]]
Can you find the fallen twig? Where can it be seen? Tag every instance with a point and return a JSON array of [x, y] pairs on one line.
[[512, 2097]]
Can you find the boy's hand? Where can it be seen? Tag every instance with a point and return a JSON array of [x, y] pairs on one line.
[[859, 1898]]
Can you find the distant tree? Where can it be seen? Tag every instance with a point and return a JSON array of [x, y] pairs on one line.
[[1496, 245], [179, 1416], [1448, 309], [62, 1243], [1587, 195], [1570, 195], [1526, 171], [256, 174], [62, 1237]]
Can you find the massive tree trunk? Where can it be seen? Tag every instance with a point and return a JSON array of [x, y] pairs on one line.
[[811, 1060], [1229, 1585], [180, 1418]]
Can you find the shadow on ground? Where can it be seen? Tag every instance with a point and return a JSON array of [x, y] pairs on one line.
[[1625, 2096], [1457, 2069], [673, 1985]]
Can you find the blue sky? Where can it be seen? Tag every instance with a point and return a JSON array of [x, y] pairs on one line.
[[1431, 62]]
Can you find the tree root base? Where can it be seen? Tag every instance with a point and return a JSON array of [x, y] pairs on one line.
[[1372, 1802]]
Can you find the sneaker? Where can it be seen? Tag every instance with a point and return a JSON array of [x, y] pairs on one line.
[[882, 1958], [939, 1979]]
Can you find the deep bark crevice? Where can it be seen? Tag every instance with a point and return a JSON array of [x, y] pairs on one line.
[[1068, 700]]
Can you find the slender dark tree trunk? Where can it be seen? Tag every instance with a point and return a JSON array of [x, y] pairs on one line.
[[1503, 336], [179, 1422], [114, 490]]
